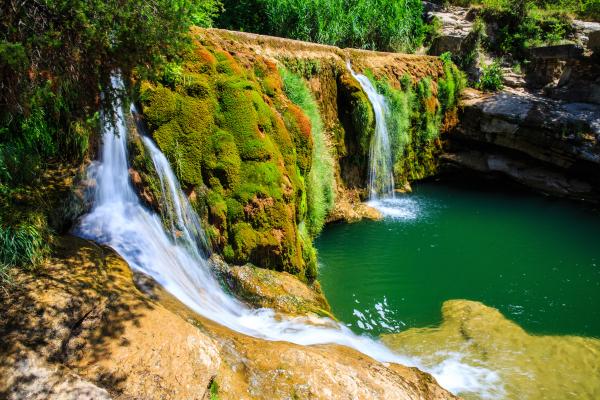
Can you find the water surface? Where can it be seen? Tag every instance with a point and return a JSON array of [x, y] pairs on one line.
[[535, 259]]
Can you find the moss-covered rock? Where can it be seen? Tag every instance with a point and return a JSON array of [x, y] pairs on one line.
[[358, 120], [233, 137]]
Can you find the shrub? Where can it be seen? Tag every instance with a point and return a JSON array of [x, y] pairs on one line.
[[52, 73], [491, 77]]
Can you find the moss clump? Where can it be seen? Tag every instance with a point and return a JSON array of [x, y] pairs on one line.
[[182, 125], [242, 149]]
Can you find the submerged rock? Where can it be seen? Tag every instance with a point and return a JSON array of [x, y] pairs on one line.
[[529, 366]]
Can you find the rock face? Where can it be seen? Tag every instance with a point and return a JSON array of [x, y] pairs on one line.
[[280, 291], [547, 144], [594, 41], [456, 26], [80, 329], [243, 146], [81, 325]]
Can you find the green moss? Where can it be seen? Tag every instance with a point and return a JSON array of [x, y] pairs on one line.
[[197, 85], [358, 121], [222, 160], [160, 107], [235, 211], [244, 241], [243, 150], [259, 178], [415, 118]]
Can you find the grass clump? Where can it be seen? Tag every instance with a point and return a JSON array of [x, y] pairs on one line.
[[23, 244], [320, 181], [491, 79]]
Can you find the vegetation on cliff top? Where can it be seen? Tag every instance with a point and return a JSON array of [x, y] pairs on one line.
[[509, 28], [388, 25], [585, 9]]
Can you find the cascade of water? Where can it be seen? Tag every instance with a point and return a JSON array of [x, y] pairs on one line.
[[381, 167], [176, 262]]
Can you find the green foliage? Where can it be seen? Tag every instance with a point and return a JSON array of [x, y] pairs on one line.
[[524, 24], [472, 46], [321, 181], [432, 31], [370, 24], [492, 77], [23, 242], [214, 390], [450, 86], [56, 57]]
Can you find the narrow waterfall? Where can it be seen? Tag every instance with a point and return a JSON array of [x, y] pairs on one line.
[[176, 261], [381, 166]]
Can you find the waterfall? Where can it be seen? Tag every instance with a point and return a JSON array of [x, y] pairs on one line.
[[381, 166], [176, 261]]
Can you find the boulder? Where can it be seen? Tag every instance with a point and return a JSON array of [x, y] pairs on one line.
[[263, 288], [561, 52], [443, 44], [548, 145], [594, 41]]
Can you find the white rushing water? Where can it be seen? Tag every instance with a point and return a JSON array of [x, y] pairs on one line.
[[176, 260], [381, 167]]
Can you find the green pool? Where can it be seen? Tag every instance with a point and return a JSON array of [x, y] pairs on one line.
[[535, 259]]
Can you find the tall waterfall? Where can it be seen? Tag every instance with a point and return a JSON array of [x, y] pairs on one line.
[[381, 166], [175, 259]]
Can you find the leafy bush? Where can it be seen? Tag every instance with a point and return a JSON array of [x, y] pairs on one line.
[[370, 24], [320, 182], [52, 71], [491, 77]]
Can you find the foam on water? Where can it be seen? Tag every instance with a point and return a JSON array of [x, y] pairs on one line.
[[175, 259], [402, 208]]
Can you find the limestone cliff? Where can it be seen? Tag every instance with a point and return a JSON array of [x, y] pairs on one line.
[[244, 147]]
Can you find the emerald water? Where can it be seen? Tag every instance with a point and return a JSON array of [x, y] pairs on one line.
[[535, 259]]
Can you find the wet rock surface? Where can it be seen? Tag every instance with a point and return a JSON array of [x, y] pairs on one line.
[[262, 288], [80, 329]]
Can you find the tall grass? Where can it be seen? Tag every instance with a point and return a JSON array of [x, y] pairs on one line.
[[23, 244], [321, 181], [371, 24]]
